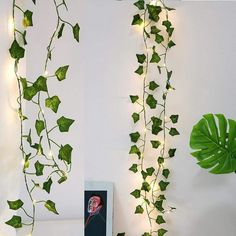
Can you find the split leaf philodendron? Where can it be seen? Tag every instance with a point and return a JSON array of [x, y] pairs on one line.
[[214, 140], [150, 151], [41, 167]]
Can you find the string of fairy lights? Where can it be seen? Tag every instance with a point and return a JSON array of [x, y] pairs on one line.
[[38, 139], [150, 145]]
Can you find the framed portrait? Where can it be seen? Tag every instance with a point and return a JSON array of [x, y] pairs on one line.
[[98, 209]]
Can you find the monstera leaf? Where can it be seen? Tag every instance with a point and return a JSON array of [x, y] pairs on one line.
[[215, 143]]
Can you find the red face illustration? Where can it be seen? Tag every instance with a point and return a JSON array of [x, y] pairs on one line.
[[94, 205]]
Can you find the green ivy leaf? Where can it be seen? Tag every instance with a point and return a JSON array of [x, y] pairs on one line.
[[53, 103], [150, 171], [28, 21], [65, 153], [139, 4], [28, 138], [163, 185], [153, 85], [154, 12], [23, 82], [161, 197], [15, 205], [155, 58], [121, 234], [24, 37], [62, 179], [135, 150], [160, 220], [137, 20], [161, 232], [167, 24], [155, 144], [39, 126], [139, 210], [151, 101], [47, 185], [147, 201], [160, 160], [139, 71], [174, 118], [155, 30], [76, 30], [170, 31], [64, 124], [38, 147], [134, 98], [60, 32], [50, 205], [166, 173], [159, 38], [146, 187], [171, 152], [156, 123], [41, 84], [136, 193], [61, 72], [39, 168], [134, 137], [134, 168], [146, 234], [16, 51], [158, 205], [141, 58], [135, 117], [144, 174], [29, 93], [15, 222], [169, 74], [171, 44], [173, 132]]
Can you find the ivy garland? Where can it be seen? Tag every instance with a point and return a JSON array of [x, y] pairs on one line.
[[157, 31], [39, 162]]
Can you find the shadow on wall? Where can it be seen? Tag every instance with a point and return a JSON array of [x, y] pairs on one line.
[[217, 220]]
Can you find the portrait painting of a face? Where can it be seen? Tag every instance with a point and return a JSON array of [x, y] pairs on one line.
[[95, 213]]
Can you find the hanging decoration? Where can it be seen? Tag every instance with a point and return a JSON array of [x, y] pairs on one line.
[[153, 125], [44, 161]]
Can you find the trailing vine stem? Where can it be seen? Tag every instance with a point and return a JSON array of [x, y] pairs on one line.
[[157, 30], [27, 90]]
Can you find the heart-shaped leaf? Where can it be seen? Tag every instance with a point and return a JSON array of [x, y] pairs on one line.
[[15, 205], [51, 206], [15, 222], [65, 153], [64, 124]]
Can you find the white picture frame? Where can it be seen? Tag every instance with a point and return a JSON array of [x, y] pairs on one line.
[[94, 186]]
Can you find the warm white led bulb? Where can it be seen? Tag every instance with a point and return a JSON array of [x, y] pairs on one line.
[[34, 201], [11, 25], [153, 2], [50, 154], [23, 162], [45, 72]]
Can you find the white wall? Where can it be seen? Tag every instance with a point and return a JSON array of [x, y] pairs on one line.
[[204, 73], [102, 77]]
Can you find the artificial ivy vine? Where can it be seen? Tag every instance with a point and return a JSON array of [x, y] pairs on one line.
[[151, 115], [41, 167]]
